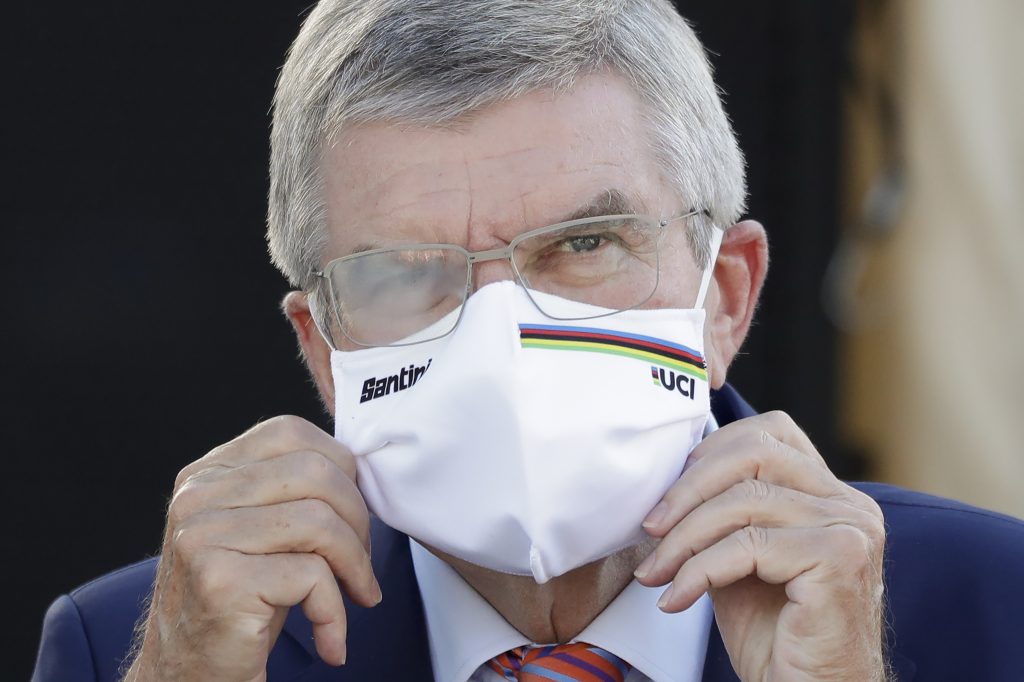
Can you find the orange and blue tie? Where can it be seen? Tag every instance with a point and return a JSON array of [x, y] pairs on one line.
[[578, 662]]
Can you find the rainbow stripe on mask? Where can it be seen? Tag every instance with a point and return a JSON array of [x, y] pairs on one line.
[[592, 340]]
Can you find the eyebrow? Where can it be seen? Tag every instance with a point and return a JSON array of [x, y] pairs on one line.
[[605, 202], [363, 247]]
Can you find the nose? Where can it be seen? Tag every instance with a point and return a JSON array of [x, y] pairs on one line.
[[490, 271]]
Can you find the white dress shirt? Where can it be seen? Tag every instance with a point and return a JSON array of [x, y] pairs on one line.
[[465, 631]]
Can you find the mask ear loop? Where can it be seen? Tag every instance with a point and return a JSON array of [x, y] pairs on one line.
[[705, 281]]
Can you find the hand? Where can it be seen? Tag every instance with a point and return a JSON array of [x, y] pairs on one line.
[[791, 556], [256, 526]]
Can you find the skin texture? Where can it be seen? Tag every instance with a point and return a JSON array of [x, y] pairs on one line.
[[790, 555]]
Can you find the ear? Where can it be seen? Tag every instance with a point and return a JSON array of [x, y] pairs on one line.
[[315, 350], [739, 273]]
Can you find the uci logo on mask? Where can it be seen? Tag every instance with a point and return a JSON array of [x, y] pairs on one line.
[[671, 381]]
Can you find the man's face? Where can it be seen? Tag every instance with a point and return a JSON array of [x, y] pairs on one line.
[[509, 168]]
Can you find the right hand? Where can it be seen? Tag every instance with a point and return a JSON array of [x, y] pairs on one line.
[[256, 526]]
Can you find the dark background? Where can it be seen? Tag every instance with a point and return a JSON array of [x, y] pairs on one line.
[[141, 322]]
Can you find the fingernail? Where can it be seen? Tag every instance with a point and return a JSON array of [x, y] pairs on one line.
[[344, 653], [378, 597], [656, 516], [645, 567], [665, 598]]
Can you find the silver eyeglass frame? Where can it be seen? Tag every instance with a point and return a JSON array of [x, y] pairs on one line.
[[473, 257]]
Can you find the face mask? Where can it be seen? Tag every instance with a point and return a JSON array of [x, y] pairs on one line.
[[521, 443]]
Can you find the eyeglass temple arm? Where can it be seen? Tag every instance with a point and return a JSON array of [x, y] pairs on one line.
[[314, 312]]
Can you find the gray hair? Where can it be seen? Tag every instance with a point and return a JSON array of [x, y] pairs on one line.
[[430, 62]]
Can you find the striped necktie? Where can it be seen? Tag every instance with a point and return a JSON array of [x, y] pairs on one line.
[[578, 662]]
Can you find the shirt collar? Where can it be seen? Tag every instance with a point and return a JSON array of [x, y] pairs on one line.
[[465, 631]]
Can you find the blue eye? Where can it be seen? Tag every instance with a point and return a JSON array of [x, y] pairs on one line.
[[587, 242]]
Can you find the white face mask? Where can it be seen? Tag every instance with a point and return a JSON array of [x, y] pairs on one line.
[[522, 443]]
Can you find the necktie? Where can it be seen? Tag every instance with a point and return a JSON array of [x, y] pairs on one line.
[[578, 662]]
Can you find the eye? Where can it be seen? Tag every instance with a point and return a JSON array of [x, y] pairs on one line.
[[585, 242]]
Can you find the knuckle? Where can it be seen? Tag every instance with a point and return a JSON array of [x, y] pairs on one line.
[[311, 565], [312, 464], [766, 449], [341, 491], [870, 518], [752, 453], [875, 509], [315, 568], [779, 420], [183, 475], [177, 512], [868, 504], [754, 489], [213, 582], [771, 423], [319, 514], [874, 529], [289, 425], [198, 466], [186, 542], [187, 473], [751, 538], [185, 502], [318, 568], [851, 547]]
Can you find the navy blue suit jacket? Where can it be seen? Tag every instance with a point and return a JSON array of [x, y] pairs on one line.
[[954, 578]]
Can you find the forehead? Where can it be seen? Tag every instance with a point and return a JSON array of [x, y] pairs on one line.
[[508, 168]]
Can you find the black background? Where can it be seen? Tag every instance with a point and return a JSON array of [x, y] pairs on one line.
[[141, 322]]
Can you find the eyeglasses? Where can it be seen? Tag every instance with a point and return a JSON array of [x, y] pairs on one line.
[[390, 296]]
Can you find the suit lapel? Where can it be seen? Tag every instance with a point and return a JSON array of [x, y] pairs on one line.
[[389, 641], [717, 667], [727, 406]]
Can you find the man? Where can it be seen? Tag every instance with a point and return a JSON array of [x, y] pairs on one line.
[[461, 183]]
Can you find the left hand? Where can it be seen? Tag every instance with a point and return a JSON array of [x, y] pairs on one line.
[[791, 556]]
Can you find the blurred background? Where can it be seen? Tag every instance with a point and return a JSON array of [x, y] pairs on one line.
[[885, 147]]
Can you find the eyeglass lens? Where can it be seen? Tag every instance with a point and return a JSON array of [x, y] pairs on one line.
[[385, 297]]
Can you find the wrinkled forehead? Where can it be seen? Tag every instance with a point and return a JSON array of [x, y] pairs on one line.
[[508, 168]]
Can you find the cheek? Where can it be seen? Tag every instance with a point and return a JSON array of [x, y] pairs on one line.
[[675, 290], [678, 276]]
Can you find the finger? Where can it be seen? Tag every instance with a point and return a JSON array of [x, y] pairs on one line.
[[304, 474], [753, 455], [775, 556], [305, 578], [779, 425], [300, 526], [234, 600], [271, 438], [748, 503]]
